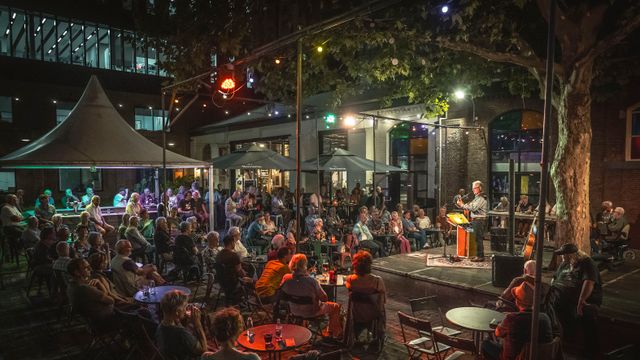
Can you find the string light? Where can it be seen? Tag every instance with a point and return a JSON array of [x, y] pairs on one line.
[[319, 49], [277, 61], [444, 9]]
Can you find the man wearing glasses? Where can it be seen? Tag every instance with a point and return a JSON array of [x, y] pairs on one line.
[[478, 208]]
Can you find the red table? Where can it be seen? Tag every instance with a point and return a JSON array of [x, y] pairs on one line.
[[300, 335]]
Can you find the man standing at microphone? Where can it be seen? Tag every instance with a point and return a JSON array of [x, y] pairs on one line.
[[478, 208]]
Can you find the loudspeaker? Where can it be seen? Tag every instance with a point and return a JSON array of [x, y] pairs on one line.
[[504, 268]]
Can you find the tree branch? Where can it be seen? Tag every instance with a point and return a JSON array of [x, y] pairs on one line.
[[613, 39], [531, 62]]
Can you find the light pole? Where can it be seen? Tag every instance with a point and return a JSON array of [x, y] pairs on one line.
[[460, 95]]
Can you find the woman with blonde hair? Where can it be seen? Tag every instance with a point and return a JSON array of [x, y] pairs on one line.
[[395, 226]]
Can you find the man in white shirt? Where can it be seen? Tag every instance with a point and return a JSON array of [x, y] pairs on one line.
[[95, 215]]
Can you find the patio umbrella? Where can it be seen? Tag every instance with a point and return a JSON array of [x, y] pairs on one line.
[[254, 157], [342, 160]]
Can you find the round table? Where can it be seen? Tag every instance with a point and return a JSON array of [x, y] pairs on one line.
[[475, 319], [159, 292], [299, 334]]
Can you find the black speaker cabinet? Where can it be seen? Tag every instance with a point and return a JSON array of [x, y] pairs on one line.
[[504, 268]]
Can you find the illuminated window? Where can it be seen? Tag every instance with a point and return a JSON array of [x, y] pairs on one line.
[[6, 113], [633, 134]]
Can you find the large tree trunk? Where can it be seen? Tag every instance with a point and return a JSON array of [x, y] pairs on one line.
[[570, 168]]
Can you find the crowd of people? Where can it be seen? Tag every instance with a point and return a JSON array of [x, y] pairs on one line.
[[178, 246]]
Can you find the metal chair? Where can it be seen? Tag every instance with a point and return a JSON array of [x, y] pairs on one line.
[[464, 349], [419, 345], [419, 309], [308, 321], [366, 311]]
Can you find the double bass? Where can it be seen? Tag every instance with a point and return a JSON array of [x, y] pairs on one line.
[[527, 249]]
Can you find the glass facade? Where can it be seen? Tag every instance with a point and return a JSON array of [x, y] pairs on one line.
[[6, 112], [7, 180], [516, 135], [33, 35], [62, 110], [148, 119], [409, 149]]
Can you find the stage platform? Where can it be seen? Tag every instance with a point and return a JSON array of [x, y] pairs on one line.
[[407, 276]]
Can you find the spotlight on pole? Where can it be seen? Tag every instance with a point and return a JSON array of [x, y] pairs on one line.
[[350, 120], [459, 94], [319, 49], [444, 9]]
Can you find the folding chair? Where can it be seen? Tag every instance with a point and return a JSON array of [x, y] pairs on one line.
[[420, 308], [464, 349], [307, 321], [419, 345], [254, 303]]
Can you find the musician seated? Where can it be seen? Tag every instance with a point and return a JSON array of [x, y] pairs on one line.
[[523, 207]]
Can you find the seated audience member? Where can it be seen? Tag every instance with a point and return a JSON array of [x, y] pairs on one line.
[[44, 211], [60, 264], [45, 251], [227, 326], [97, 244], [575, 296], [210, 253], [147, 199], [86, 222], [70, 201], [56, 222], [515, 329], [318, 232], [171, 199], [133, 206], [86, 300], [615, 225], [200, 208], [442, 222], [126, 274], [185, 251], [95, 215], [396, 228], [412, 231], [277, 242], [86, 198], [363, 236], [422, 220], [162, 239], [120, 199], [31, 235], [334, 222], [299, 283], [231, 209], [230, 270], [174, 340], [19, 200], [146, 225], [291, 231], [122, 229], [50, 199], [503, 206], [270, 227], [99, 262], [415, 211], [140, 245], [605, 213], [272, 275], [364, 282], [506, 302], [186, 205], [81, 244], [238, 247], [11, 216], [173, 220]]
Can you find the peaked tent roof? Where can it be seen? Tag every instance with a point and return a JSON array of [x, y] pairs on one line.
[[343, 160], [255, 157], [94, 135]]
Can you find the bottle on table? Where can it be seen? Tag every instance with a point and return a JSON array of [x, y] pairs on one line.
[[249, 327], [278, 330]]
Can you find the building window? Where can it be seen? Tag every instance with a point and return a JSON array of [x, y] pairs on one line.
[[79, 179], [7, 181], [63, 109], [633, 134], [6, 113], [37, 36], [148, 119], [516, 135], [409, 149]]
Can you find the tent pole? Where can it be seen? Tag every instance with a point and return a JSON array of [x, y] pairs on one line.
[[164, 150], [156, 184], [212, 215], [373, 183]]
